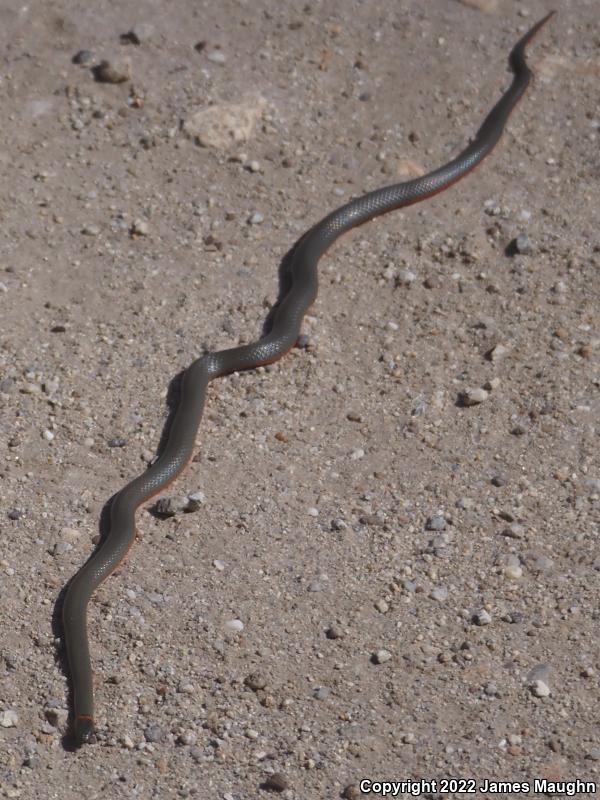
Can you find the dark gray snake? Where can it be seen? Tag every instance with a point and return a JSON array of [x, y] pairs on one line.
[[285, 328]]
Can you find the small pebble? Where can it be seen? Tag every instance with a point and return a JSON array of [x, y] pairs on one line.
[[57, 717], [382, 606], [235, 625], [9, 719], [195, 500], [277, 782], [321, 693], [139, 227], [473, 396], [60, 548], [105, 72], [83, 57], [465, 502], [381, 656], [217, 57], [513, 617], [497, 353], [540, 689], [522, 244], [256, 218], [405, 277], [91, 230], [588, 672], [141, 32], [334, 632], [117, 442], [513, 571], [255, 681], [153, 733], [514, 531], [481, 617], [188, 737], [171, 506], [437, 522]]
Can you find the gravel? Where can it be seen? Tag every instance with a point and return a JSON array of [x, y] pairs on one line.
[[363, 422]]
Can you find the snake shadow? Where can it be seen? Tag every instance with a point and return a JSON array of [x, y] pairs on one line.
[[173, 398]]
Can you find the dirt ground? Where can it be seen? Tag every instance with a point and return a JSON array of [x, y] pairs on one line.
[[380, 582]]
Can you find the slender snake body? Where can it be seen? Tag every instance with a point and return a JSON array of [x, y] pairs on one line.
[[283, 334]]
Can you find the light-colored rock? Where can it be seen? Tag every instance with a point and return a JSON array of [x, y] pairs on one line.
[[224, 124]]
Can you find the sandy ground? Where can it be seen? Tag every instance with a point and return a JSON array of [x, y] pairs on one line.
[[354, 511]]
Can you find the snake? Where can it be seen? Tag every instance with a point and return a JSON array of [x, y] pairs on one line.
[[286, 318]]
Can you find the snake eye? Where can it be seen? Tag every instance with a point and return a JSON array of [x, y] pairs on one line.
[[83, 731]]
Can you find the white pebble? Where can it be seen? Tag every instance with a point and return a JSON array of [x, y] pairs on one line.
[[482, 617], [474, 396], [381, 656], [9, 719], [140, 227], [498, 352], [90, 229], [540, 689], [234, 625], [406, 277], [513, 571]]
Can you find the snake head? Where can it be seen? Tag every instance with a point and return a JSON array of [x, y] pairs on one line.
[[83, 731]]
